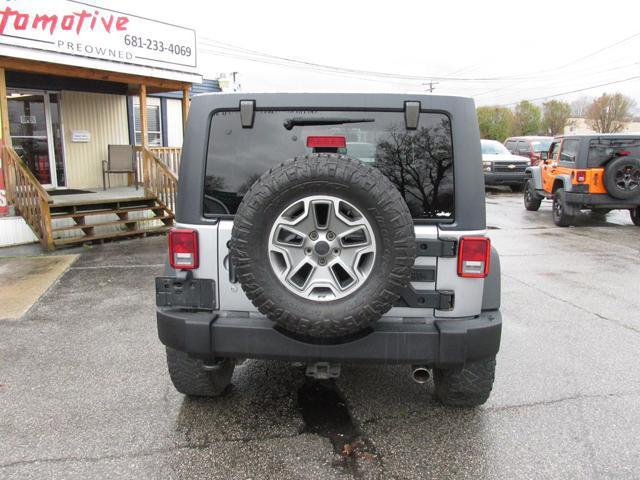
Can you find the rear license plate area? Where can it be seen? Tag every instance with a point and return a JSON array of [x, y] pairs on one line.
[[193, 293]]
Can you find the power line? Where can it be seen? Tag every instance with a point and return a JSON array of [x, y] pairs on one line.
[[561, 84], [636, 77], [572, 62], [261, 57], [317, 70]]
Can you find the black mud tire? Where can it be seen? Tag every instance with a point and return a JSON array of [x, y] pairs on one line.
[[622, 178], [469, 386], [532, 199], [560, 211], [368, 190], [190, 377], [635, 216]]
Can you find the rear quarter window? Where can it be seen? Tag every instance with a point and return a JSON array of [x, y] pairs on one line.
[[419, 162], [601, 150]]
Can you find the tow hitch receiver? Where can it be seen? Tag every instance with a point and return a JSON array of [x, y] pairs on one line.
[[323, 370]]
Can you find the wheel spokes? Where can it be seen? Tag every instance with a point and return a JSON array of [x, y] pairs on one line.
[[322, 248]]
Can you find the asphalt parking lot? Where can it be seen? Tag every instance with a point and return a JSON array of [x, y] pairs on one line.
[[84, 391]]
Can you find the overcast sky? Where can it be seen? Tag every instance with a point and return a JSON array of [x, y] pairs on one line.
[[507, 51]]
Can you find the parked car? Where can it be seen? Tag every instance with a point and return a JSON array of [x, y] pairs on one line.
[[325, 258], [532, 147], [501, 167], [599, 172]]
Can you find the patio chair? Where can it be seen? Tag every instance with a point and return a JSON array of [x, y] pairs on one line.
[[121, 159]]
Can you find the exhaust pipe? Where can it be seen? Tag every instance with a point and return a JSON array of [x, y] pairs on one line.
[[420, 374]]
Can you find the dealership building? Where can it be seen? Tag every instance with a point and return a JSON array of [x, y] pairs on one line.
[[93, 103]]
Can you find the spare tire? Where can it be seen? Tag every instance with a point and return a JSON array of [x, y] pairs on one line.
[[622, 178], [322, 245]]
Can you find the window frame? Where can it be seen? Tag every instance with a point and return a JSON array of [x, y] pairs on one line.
[[554, 150], [562, 149], [416, 221], [527, 150], [137, 120]]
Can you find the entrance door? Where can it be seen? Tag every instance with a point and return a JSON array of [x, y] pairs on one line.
[[36, 134]]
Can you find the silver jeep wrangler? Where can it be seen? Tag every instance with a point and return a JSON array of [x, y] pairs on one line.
[[330, 229]]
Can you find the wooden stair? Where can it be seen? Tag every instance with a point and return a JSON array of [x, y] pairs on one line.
[[98, 220]]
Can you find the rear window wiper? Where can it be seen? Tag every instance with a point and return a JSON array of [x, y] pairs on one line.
[[289, 123]]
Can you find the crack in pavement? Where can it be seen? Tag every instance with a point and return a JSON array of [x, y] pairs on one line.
[[582, 309], [142, 453], [599, 396], [418, 415]]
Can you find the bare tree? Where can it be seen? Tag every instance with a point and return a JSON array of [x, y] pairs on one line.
[[579, 106], [418, 164], [609, 113]]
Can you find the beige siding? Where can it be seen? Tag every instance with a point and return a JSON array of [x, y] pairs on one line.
[[581, 125], [105, 117], [174, 123]]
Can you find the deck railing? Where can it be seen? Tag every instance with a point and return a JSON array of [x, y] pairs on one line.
[[159, 179], [170, 156], [30, 199]]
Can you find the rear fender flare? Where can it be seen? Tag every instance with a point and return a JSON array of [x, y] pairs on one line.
[[566, 182]]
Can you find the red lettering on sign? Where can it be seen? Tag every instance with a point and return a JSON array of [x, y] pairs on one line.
[[44, 22], [107, 24], [67, 22], [121, 23], [81, 18], [21, 21], [6, 13]]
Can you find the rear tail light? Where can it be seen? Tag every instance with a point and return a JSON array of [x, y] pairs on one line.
[[474, 256], [624, 153], [335, 141], [581, 176], [183, 249]]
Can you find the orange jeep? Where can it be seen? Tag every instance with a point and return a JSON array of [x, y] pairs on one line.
[[599, 172]]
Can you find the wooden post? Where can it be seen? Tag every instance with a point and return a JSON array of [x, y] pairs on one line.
[[5, 136], [185, 105], [4, 107], [146, 167]]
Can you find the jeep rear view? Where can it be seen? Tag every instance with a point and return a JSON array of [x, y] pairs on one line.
[[331, 229]]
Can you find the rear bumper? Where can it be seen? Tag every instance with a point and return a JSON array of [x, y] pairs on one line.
[[439, 343], [602, 200], [502, 178]]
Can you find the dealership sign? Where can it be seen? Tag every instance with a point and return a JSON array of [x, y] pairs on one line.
[[82, 30]]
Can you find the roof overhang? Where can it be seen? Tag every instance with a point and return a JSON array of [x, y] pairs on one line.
[[154, 84]]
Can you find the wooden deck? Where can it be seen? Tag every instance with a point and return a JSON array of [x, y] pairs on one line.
[[114, 213], [97, 195], [61, 220]]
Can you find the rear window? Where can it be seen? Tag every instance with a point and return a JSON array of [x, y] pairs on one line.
[[418, 162], [602, 150], [541, 145], [493, 147]]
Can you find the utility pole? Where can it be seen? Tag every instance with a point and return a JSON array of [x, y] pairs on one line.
[[235, 87], [431, 86]]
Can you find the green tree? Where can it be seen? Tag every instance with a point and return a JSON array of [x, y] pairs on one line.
[[495, 122], [555, 115], [609, 113], [526, 119]]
